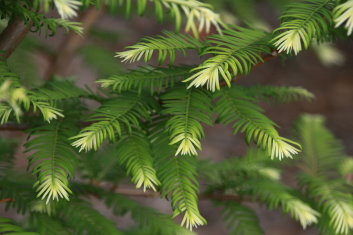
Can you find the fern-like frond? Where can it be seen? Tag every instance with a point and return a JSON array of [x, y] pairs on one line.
[[52, 25], [84, 219], [5, 113], [12, 94], [240, 219], [195, 11], [13, 98], [46, 109], [154, 79], [322, 152], [108, 121], [58, 90], [43, 23], [276, 195], [66, 8], [343, 15], [101, 166], [335, 201], [188, 108], [45, 98], [134, 152], [322, 158], [177, 175], [236, 107], [280, 94], [235, 52], [199, 16], [165, 45], [178, 180], [40, 206], [7, 226], [149, 220], [254, 164], [46, 224], [53, 160], [301, 23], [7, 75]]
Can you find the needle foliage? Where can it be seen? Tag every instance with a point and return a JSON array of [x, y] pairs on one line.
[[145, 126]]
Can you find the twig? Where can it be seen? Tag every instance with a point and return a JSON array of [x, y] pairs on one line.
[[150, 194], [225, 197], [7, 200], [12, 36], [13, 127], [205, 196], [114, 187], [137, 193]]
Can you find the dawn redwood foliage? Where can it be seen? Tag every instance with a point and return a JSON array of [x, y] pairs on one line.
[[149, 124]]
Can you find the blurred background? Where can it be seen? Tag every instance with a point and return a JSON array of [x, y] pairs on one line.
[[325, 70]]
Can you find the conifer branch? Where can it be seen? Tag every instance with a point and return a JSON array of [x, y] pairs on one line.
[[13, 127], [203, 196], [151, 194], [265, 59]]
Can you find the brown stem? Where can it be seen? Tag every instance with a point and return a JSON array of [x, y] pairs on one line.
[[7, 200], [136, 193], [13, 127], [213, 196], [150, 194], [12, 36], [72, 42], [114, 187], [225, 197]]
